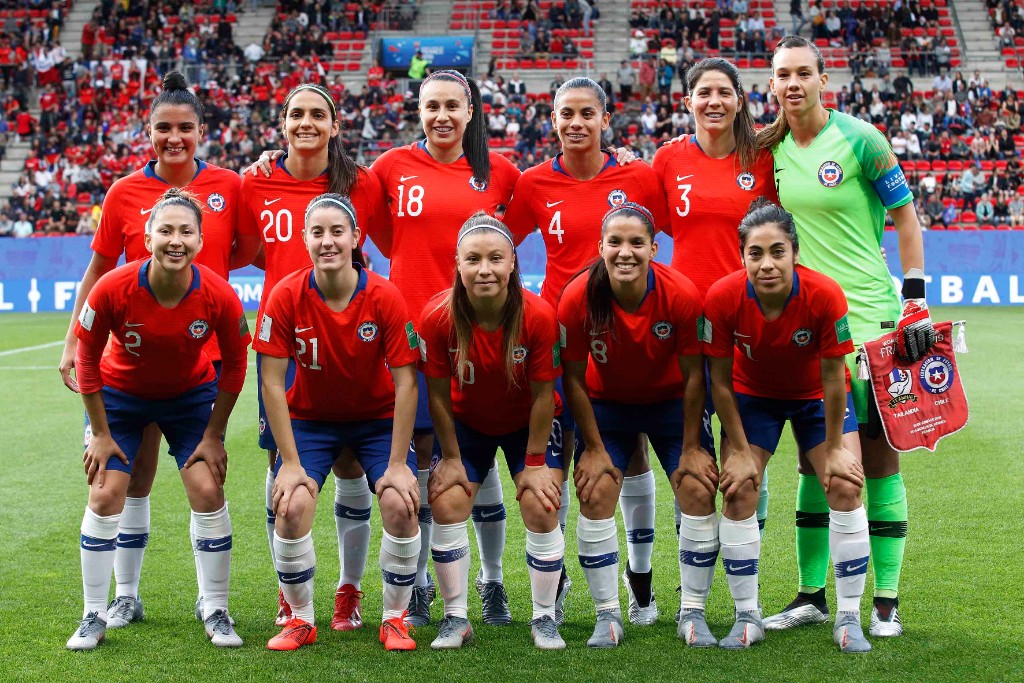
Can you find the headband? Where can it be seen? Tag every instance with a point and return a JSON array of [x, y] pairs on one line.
[[318, 91], [634, 207], [331, 200], [485, 226], [454, 75]]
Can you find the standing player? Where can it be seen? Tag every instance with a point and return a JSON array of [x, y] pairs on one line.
[[349, 336], [777, 336], [709, 180], [838, 177], [316, 163], [175, 128], [567, 197], [490, 354], [632, 366], [432, 186], [161, 312]]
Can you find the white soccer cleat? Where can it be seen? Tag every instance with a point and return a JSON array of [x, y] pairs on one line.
[[453, 633], [220, 631], [803, 611], [885, 625], [693, 629], [747, 630], [849, 635], [608, 630], [90, 633], [124, 610], [545, 634], [640, 616]]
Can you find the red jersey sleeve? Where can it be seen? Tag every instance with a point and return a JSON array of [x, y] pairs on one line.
[[545, 363], [719, 319], [93, 330], [246, 222], [505, 174], [435, 331], [834, 326], [688, 305], [274, 336], [382, 230], [233, 339], [519, 217], [572, 312], [401, 343], [109, 238], [374, 217], [654, 199]]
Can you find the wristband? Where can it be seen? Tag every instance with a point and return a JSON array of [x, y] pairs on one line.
[[913, 284], [535, 460]]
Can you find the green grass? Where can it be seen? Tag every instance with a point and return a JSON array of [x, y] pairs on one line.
[[961, 590]]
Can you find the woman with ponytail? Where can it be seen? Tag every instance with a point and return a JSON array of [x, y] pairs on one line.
[[489, 349], [175, 129]]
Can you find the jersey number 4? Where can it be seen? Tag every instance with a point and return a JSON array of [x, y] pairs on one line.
[[555, 227]]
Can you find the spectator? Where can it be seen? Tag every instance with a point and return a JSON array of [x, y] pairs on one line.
[[626, 77], [943, 82], [1016, 208], [1001, 211], [22, 227], [6, 225], [646, 78], [417, 67], [666, 73], [796, 13], [970, 182]]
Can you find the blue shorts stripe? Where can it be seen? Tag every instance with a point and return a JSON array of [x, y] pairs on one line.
[[449, 555], [292, 578], [640, 536], [132, 540], [358, 514], [213, 545], [99, 545], [852, 567], [695, 559], [741, 567], [544, 565], [398, 579], [425, 514], [598, 561], [489, 513]]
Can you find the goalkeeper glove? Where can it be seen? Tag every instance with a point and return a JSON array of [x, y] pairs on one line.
[[915, 333]]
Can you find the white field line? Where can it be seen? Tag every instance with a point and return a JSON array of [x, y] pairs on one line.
[[50, 345]]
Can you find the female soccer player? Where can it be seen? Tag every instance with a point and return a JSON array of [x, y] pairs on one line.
[[777, 336], [350, 337], [490, 354], [633, 366], [567, 198], [838, 177], [161, 312], [316, 163], [175, 128]]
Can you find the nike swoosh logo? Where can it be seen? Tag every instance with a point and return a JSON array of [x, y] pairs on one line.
[[219, 545], [640, 538], [488, 515], [779, 170], [93, 545], [405, 582], [856, 567], [302, 329], [268, 202], [550, 204], [590, 563], [738, 568], [683, 177], [143, 212], [134, 324], [542, 566], [595, 334], [700, 561], [745, 336], [403, 178]]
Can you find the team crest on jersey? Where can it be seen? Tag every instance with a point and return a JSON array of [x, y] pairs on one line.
[[616, 198], [802, 337], [745, 181], [936, 375], [367, 331], [899, 387], [198, 329], [478, 185], [830, 174], [662, 329], [216, 202], [519, 354]]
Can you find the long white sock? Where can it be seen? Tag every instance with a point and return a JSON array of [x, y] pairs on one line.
[[352, 507], [849, 544], [212, 532], [741, 552], [563, 512], [296, 566], [489, 522], [762, 503], [545, 554], [132, 538], [398, 567], [679, 516], [426, 522], [98, 540], [636, 500], [450, 550], [598, 544], [698, 554], [271, 516]]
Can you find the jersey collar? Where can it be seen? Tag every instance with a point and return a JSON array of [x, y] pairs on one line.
[[280, 165], [556, 164], [360, 284], [650, 285], [150, 170], [144, 279], [751, 294], [422, 145]]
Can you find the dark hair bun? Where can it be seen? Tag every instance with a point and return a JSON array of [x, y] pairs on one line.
[[175, 80]]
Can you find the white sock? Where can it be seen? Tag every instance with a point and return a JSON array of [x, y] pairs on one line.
[[598, 544], [679, 516], [544, 558], [741, 552], [698, 554], [132, 538], [98, 540], [352, 507], [849, 544], [212, 532], [271, 516], [636, 500], [489, 523], [563, 512], [426, 522], [398, 567], [296, 565], [762, 503], [450, 550]]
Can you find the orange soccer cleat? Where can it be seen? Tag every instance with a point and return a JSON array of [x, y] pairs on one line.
[[296, 633], [394, 633], [347, 616]]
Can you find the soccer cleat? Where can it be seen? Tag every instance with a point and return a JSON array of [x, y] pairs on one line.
[[124, 610], [639, 586], [564, 586], [747, 630], [495, 602], [220, 630], [848, 634], [296, 633], [431, 589], [199, 611], [885, 620], [419, 607], [347, 616], [608, 630], [394, 633], [693, 629], [545, 634], [91, 631], [284, 610], [806, 608], [453, 633]]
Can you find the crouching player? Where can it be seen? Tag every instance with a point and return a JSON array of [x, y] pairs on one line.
[[633, 366], [490, 353], [161, 312], [355, 350], [777, 336]]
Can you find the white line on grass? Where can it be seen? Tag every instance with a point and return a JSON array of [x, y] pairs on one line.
[[11, 352]]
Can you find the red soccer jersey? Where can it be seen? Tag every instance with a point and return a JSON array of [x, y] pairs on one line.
[[707, 199], [341, 359], [569, 212], [484, 401], [637, 362], [158, 353], [275, 209], [782, 358], [429, 201]]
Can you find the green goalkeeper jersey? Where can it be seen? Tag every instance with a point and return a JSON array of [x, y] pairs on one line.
[[838, 189]]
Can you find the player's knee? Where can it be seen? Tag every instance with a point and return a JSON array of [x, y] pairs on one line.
[[843, 494], [205, 495], [451, 506], [536, 516], [603, 499], [394, 514], [743, 502], [106, 501], [695, 496]]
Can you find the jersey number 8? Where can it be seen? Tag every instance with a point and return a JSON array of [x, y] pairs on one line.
[[599, 350]]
